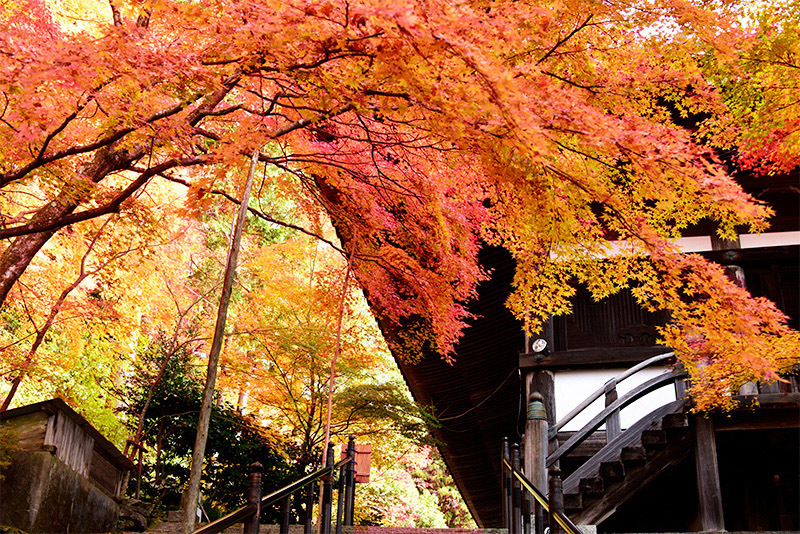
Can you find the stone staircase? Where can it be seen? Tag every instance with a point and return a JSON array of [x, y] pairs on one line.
[[173, 527], [168, 527]]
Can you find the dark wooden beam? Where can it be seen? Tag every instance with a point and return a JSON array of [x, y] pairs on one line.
[[709, 491], [767, 401], [761, 412], [594, 357], [773, 420]]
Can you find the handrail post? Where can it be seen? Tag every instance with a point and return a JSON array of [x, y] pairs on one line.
[[286, 509], [613, 426], [556, 499], [506, 485], [327, 493], [309, 508], [350, 483], [536, 449], [254, 498], [516, 493], [340, 499], [526, 513]]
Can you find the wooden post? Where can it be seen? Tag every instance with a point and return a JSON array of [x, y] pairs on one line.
[[613, 426], [556, 499], [542, 380], [286, 510], [506, 482], [526, 513], [536, 449], [681, 387], [254, 499], [718, 243], [340, 500], [516, 493], [708, 487], [327, 494], [350, 483], [309, 508]]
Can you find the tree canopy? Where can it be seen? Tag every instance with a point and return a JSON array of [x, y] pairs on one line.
[[421, 129]]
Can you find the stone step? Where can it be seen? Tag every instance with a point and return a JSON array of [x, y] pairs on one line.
[[172, 527]]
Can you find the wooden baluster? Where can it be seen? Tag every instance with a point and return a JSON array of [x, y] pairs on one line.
[[309, 508], [516, 493], [556, 499], [350, 483], [286, 510], [526, 513], [681, 384], [327, 494], [254, 499], [340, 499], [613, 427], [506, 483]]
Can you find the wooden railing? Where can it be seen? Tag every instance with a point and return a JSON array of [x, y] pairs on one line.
[[610, 414], [250, 513], [526, 510], [519, 493]]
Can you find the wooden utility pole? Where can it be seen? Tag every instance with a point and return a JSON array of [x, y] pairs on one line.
[[192, 494]]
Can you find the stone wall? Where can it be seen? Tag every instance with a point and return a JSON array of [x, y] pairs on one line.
[[40, 493]]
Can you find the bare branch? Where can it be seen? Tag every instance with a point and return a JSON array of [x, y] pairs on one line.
[[258, 213], [564, 40]]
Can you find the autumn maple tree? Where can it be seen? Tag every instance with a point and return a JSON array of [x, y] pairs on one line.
[[416, 135], [760, 93], [421, 130]]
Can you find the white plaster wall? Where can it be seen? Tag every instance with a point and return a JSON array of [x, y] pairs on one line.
[[572, 387]]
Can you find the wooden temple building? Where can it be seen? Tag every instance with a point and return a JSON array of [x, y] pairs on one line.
[[643, 466]]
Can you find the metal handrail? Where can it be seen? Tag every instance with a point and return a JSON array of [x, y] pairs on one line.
[[246, 511], [565, 522], [596, 395]]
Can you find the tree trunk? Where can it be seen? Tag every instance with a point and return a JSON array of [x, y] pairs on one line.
[[191, 496]]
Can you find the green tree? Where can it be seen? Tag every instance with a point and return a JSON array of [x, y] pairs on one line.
[[235, 441]]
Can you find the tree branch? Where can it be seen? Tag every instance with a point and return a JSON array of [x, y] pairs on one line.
[[564, 40], [111, 207], [258, 213]]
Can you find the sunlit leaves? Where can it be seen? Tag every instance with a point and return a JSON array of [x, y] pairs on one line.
[[420, 129]]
